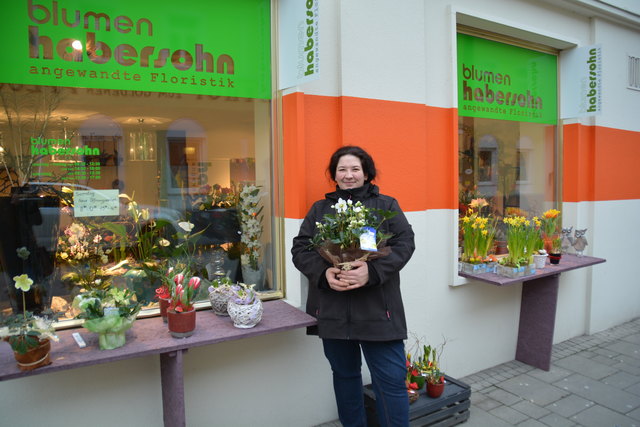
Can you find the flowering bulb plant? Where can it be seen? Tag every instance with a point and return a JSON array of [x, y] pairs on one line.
[[25, 331], [550, 226], [183, 295], [478, 233], [216, 196], [338, 236], [250, 215], [243, 294], [522, 238]]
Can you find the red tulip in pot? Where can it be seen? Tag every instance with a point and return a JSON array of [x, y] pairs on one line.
[[181, 314]]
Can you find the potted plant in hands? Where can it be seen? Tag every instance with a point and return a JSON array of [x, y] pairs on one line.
[[108, 312], [181, 314], [28, 335], [244, 306]]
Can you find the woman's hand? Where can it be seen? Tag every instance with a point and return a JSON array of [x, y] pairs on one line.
[[347, 280]]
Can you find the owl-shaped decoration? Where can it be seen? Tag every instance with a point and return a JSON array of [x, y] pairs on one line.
[[566, 241], [579, 241]]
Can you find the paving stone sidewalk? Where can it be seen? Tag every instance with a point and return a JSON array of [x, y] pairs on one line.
[[594, 380]]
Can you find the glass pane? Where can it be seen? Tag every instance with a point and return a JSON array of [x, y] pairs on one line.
[[510, 164], [97, 185]]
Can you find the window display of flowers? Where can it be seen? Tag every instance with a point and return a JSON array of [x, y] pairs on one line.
[[478, 233], [87, 252], [216, 196], [26, 331], [109, 313], [250, 215], [339, 236]]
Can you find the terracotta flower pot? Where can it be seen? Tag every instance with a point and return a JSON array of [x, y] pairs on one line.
[[181, 324], [163, 304], [35, 357], [435, 390]]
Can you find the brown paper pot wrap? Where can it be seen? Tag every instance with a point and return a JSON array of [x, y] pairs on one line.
[[343, 257], [34, 358]]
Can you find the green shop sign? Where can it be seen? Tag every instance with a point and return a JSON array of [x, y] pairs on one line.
[[500, 81], [210, 47]]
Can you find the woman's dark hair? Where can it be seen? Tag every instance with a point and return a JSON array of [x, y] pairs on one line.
[[368, 166]]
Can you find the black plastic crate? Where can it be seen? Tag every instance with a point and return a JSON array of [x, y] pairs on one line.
[[451, 408]]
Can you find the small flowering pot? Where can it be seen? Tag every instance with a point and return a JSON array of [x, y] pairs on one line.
[[182, 324], [540, 261], [245, 315], [554, 258], [163, 304], [34, 357], [435, 390]]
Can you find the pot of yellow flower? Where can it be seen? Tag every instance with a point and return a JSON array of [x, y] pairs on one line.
[[29, 335], [478, 234], [522, 235]]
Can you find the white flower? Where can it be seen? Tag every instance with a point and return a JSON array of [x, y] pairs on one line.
[[164, 242], [186, 226], [23, 282]]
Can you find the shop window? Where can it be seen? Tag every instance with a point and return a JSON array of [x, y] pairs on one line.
[[179, 157], [507, 127]]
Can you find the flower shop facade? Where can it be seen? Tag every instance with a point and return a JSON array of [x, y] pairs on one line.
[[183, 113]]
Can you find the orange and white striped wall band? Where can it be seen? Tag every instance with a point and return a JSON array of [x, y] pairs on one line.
[[415, 149]]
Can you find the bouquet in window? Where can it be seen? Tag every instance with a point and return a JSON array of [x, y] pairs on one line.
[[250, 213], [109, 313], [352, 234], [86, 252], [216, 196]]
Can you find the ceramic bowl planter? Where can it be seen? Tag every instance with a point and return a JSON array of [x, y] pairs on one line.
[[245, 315], [182, 324], [219, 297], [539, 261]]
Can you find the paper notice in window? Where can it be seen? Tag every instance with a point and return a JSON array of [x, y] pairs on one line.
[[96, 203]]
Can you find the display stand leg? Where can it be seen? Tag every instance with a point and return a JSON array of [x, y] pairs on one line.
[[172, 382], [537, 321]]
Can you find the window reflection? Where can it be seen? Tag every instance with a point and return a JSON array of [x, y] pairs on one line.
[[114, 187]]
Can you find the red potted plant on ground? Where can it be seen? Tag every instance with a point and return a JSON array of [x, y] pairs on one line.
[[181, 314]]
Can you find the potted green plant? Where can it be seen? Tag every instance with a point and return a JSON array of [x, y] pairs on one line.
[[181, 314], [244, 306], [29, 335], [109, 313]]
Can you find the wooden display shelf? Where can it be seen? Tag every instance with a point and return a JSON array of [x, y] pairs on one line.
[[151, 336]]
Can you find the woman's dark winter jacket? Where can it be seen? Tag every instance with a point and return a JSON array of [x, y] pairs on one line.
[[374, 312]]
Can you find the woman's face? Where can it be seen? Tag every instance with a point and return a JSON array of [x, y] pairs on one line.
[[349, 173]]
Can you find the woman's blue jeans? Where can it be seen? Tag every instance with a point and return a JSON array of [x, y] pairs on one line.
[[386, 362]]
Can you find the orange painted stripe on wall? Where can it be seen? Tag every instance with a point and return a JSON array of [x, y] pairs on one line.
[[600, 164], [414, 147]]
